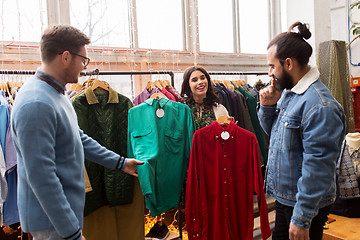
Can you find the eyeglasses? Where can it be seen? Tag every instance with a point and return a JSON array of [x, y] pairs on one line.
[[86, 60]]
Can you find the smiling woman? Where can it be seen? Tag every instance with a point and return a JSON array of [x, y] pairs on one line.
[[199, 95]]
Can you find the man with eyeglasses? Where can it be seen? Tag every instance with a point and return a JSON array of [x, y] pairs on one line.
[[86, 60], [50, 145]]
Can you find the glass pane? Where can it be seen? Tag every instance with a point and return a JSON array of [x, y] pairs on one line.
[[120, 83], [106, 22], [284, 25], [215, 26], [17, 23], [254, 26], [178, 79], [159, 24]]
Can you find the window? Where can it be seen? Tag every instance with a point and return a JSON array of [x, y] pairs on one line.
[[254, 26], [120, 83], [106, 22], [17, 23], [284, 25], [215, 26], [159, 24]]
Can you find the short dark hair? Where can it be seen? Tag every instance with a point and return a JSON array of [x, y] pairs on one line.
[[211, 98], [293, 45], [60, 38]]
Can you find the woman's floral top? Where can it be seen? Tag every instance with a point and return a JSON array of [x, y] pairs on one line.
[[203, 115]]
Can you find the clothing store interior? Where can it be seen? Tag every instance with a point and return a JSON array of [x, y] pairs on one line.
[[183, 86]]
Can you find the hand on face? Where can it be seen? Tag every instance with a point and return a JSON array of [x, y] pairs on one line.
[[270, 95]]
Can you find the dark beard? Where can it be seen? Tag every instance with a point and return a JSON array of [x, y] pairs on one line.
[[284, 82]]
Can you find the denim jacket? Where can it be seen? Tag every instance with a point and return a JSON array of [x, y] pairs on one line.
[[306, 129]]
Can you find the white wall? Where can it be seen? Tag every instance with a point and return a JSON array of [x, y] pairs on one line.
[[340, 30], [328, 20], [355, 46], [317, 14], [339, 20]]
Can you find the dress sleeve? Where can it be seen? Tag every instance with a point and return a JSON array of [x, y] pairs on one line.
[[191, 130], [194, 213], [259, 189]]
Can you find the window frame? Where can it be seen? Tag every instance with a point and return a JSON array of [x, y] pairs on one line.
[[59, 13]]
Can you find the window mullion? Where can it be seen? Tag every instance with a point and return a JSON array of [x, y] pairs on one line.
[[274, 18], [134, 43], [192, 27], [53, 12], [236, 26], [184, 24], [58, 12]]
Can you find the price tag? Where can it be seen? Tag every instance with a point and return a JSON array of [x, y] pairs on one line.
[[160, 113], [225, 135]]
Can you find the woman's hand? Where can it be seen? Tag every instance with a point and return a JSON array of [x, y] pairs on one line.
[[232, 119]]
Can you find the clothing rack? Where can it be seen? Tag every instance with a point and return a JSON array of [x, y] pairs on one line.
[[97, 72], [238, 73], [17, 72], [94, 72]]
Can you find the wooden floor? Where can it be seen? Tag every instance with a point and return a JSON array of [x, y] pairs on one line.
[[342, 228]]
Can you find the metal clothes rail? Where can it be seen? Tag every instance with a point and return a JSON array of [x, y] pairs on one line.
[[238, 73], [17, 72], [97, 72]]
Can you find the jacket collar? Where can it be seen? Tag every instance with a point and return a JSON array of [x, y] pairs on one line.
[[162, 101], [304, 83], [92, 99], [352, 150]]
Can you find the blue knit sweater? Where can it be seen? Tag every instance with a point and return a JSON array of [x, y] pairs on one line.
[[50, 149]]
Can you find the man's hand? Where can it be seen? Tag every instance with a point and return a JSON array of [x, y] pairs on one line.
[[269, 95], [298, 233], [83, 238], [130, 166]]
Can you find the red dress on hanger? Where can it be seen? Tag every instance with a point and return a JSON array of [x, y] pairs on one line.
[[222, 178]]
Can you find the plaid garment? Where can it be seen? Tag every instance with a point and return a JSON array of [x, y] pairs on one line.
[[44, 76], [348, 172]]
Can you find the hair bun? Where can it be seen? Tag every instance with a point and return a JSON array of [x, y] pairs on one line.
[[303, 29]]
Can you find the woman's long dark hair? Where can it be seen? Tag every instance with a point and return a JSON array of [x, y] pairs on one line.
[[211, 98]]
